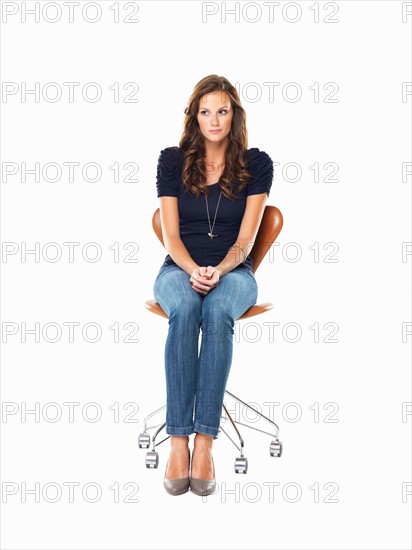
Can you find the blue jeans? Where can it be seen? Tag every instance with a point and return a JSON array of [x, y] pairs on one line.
[[196, 382]]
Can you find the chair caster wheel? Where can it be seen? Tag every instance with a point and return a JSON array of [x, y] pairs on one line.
[[144, 440], [152, 459], [276, 448], [241, 465]]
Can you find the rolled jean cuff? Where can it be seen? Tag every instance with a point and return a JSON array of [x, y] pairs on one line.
[[203, 429], [173, 430]]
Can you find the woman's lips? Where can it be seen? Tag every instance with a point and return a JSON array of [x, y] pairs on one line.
[[214, 131]]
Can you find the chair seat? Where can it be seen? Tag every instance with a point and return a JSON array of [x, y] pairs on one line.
[[257, 309]]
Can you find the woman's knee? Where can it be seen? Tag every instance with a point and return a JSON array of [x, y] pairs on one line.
[[217, 318], [229, 300], [187, 308], [175, 294], [220, 302], [172, 285]]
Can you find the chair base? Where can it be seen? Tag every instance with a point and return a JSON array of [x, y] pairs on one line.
[[241, 462]]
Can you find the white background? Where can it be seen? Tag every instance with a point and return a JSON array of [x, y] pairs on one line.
[[363, 58]]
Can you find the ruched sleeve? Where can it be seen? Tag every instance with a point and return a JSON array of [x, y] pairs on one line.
[[260, 166], [169, 173]]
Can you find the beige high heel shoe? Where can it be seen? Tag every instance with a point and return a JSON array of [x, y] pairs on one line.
[[203, 487], [177, 486]]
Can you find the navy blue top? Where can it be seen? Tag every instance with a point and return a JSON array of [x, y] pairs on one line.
[[194, 225]]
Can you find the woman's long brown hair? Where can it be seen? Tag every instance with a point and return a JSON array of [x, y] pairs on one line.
[[235, 175]]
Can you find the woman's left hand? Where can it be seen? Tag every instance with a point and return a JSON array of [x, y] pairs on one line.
[[205, 279]]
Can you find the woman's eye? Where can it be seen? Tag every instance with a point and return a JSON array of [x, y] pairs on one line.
[[222, 111]]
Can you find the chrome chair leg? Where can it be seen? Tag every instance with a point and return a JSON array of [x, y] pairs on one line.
[[144, 437], [256, 411], [152, 457], [241, 463], [276, 446]]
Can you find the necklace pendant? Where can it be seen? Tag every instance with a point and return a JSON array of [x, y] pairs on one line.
[[211, 226]]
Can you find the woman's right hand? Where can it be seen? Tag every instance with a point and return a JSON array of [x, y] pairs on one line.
[[204, 279]]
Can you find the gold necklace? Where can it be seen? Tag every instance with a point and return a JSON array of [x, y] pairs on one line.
[[210, 234]]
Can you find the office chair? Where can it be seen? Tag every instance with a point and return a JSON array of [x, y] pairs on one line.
[[269, 229]]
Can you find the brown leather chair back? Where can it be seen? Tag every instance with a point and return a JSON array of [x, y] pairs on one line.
[[270, 227]]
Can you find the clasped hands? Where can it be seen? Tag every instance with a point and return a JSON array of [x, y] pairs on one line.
[[204, 279]]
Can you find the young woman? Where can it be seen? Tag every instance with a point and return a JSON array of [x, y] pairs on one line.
[[212, 193]]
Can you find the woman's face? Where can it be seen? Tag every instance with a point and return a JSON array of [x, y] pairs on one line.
[[215, 116]]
